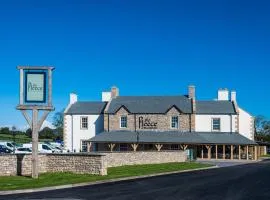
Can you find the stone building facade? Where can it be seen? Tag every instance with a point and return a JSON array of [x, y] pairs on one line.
[[149, 122]]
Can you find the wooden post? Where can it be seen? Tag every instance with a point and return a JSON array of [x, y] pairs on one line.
[[183, 147], [247, 152], [35, 144], [231, 152], [216, 152], [89, 144], [111, 146], [209, 150], [256, 153], [202, 151], [223, 151], [239, 152], [159, 146], [134, 146]]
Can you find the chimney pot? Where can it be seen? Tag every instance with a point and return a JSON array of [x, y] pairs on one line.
[[114, 92]]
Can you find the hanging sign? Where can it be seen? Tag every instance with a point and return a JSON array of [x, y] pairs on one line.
[[35, 87]]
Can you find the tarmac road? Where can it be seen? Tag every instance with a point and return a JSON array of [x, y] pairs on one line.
[[251, 181]]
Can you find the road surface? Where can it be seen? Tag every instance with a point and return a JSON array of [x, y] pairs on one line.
[[251, 181]]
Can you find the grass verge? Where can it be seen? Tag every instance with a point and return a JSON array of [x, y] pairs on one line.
[[266, 156], [53, 179]]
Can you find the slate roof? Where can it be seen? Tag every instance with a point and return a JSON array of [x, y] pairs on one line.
[[87, 108], [172, 137], [215, 107], [150, 104]]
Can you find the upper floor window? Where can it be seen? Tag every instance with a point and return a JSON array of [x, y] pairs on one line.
[[123, 122], [174, 122], [84, 122], [216, 124]]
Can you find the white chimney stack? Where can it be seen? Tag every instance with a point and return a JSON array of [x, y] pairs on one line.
[[106, 96], [73, 98], [223, 95], [233, 96]]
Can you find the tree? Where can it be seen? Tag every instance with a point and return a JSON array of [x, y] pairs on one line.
[[46, 133], [58, 122], [259, 123], [58, 119], [29, 132]]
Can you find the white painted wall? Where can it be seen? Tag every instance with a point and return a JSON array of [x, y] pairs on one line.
[[203, 123], [246, 123], [75, 134]]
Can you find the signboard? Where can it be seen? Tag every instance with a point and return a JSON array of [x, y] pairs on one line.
[[147, 123], [35, 87]]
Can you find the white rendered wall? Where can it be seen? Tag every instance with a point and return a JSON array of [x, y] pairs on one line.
[[246, 124], [203, 123], [76, 134]]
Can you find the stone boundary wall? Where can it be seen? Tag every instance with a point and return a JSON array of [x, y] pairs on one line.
[[84, 163], [114, 159], [21, 164]]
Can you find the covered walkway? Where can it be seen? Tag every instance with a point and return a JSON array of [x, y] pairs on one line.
[[206, 145]]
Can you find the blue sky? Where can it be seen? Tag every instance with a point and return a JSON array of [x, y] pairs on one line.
[[143, 47]]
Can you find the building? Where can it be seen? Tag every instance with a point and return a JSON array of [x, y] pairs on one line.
[[217, 129]]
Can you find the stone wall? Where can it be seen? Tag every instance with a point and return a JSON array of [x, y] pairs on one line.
[[163, 121], [114, 159], [21, 164]]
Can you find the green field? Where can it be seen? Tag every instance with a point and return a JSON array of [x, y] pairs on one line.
[[52, 179], [19, 138]]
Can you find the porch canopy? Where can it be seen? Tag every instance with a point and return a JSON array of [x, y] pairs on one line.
[[172, 137]]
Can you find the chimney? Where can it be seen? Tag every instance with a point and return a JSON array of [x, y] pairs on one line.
[[192, 96], [114, 92], [233, 96], [73, 98], [233, 100], [191, 92], [106, 96], [223, 94]]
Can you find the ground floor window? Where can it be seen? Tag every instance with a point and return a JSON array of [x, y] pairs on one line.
[[123, 147], [84, 146], [175, 147]]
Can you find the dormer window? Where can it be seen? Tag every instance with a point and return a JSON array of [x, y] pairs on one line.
[[216, 124], [174, 122], [123, 122]]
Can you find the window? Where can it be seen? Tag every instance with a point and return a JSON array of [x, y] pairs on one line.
[[175, 147], [123, 147], [84, 122], [216, 124], [46, 147], [84, 146], [123, 122], [174, 122]]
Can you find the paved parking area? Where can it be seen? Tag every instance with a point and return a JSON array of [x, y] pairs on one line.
[[226, 163]]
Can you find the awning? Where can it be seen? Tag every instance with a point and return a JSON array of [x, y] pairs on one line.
[[172, 137]]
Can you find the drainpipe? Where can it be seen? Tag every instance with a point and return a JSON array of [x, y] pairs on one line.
[[72, 133], [231, 123]]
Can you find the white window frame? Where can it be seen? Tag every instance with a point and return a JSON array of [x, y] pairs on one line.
[[83, 141], [177, 122], [212, 124], [120, 121], [87, 123]]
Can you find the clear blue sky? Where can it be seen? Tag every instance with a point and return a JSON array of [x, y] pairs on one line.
[[143, 47]]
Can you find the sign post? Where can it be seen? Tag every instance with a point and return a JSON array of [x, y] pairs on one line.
[[35, 95]]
